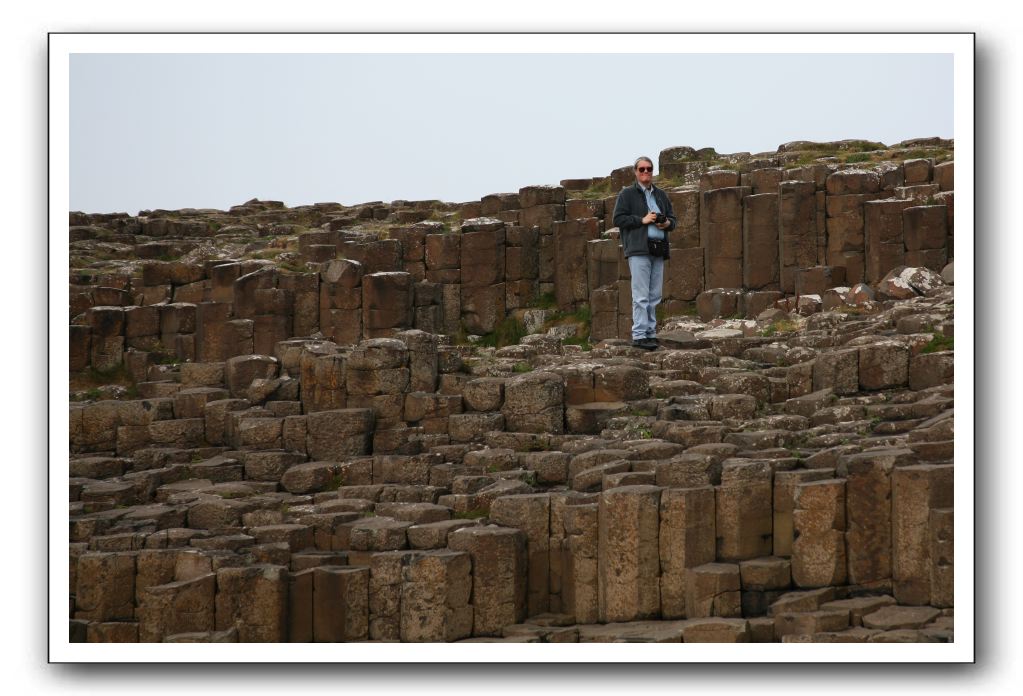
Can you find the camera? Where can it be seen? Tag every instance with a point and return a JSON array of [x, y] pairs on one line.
[[661, 218]]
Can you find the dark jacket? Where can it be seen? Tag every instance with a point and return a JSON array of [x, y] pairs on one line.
[[628, 218]]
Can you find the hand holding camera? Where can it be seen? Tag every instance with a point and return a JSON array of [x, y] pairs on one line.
[[650, 217]]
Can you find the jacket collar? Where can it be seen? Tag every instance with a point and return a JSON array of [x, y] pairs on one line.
[[653, 187]]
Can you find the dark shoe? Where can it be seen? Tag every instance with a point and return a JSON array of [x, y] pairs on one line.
[[643, 343], [653, 342]]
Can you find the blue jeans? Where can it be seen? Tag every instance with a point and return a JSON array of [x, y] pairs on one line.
[[647, 279]]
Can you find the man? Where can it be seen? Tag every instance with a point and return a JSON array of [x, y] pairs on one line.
[[643, 216]]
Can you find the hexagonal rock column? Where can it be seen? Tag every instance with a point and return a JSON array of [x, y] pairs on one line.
[[521, 266], [377, 376], [579, 585], [797, 230], [186, 606], [534, 403], [838, 370], [386, 303], [436, 586], [255, 600], [530, 513], [570, 272], [942, 557], [340, 301], [602, 258], [423, 361], [683, 276], [107, 327], [814, 280], [916, 490], [721, 235], [686, 540], [931, 369], [868, 537], [340, 604], [818, 552], [845, 232], [713, 589], [498, 575], [628, 553], [335, 435], [240, 371], [385, 583], [925, 230], [883, 232], [482, 274], [214, 339], [760, 241], [743, 510], [105, 588], [884, 365]]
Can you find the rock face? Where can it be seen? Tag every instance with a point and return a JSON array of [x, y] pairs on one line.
[[354, 439]]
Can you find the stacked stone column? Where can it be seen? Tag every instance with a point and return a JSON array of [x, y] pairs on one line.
[[541, 207], [522, 266], [443, 261], [797, 230], [628, 553], [721, 235], [884, 238], [684, 271], [570, 269], [925, 229], [482, 274]]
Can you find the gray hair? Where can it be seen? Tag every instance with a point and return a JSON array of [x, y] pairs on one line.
[[642, 159]]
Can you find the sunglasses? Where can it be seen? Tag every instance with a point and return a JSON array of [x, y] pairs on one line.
[[643, 170]]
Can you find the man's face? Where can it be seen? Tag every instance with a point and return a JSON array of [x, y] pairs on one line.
[[644, 173]]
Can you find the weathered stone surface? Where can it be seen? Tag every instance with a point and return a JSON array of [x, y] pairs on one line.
[[717, 631], [628, 553], [339, 604], [818, 552], [241, 371], [744, 510], [803, 623], [858, 607], [531, 514], [254, 600], [760, 240], [785, 483], [580, 584], [378, 534], [928, 370], [883, 365], [498, 575], [686, 540], [797, 230], [883, 232], [534, 403], [334, 435], [942, 552], [868, 517], [768, 573], [435, 594], [712, 589], [916, 490], [892, 618], [386, 303], [570, 271], [309, 477], [106, 587], [184, 606]]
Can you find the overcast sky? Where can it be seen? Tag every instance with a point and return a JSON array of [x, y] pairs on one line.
[[214, 130]]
